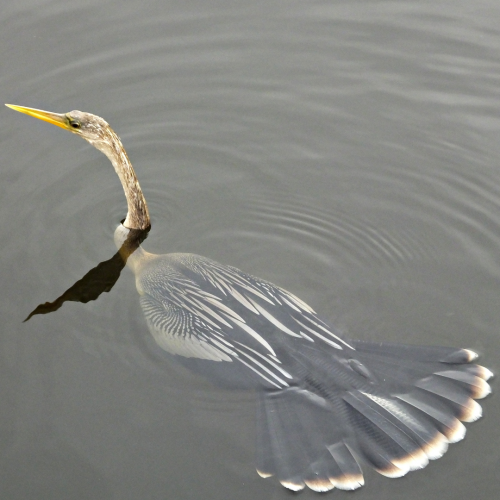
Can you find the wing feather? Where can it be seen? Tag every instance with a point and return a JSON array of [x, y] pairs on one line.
[[199, 308]]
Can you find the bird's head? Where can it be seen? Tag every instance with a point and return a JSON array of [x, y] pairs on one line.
[[97, 131], [90, 127]]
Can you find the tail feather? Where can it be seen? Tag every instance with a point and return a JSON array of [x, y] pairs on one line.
[[408, 433], [265, 459], [394, 407], [406, 352], [279, 417], [402, 366], [317, 476], [347, 473], [476, 386], [385, 442], [382, 461], [444, 421], [335, 467], [296, 426], [456, 398], [374, 422], [283, 445]]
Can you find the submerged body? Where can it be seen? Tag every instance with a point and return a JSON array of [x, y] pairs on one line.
[[324, 402]]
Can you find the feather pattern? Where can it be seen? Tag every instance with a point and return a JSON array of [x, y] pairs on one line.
[[326, 404], [192, 303]]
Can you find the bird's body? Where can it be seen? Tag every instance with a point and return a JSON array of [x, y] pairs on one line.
[[198, 308], [325, 402]]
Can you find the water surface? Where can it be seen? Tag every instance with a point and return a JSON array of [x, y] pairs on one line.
[[345, 150]]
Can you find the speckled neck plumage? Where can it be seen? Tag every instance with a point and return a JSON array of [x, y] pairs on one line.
[[138, 214]]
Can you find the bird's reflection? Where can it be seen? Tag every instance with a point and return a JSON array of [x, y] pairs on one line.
[[99, 279]]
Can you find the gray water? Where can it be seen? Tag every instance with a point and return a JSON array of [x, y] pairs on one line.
[[345, 150]]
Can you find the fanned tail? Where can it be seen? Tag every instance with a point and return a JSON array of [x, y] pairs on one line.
[[396, 408], [292, 425]]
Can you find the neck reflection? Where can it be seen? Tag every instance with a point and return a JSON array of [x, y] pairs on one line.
[[101, 278]]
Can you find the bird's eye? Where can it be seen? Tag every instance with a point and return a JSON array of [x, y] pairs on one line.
[[75, 124]]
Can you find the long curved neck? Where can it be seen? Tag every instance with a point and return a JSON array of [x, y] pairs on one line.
[[138, 214]]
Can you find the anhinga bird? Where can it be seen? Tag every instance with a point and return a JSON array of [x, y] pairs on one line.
[[325, 402]]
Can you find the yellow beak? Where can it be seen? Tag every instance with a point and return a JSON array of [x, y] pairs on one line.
[[55, 118]]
